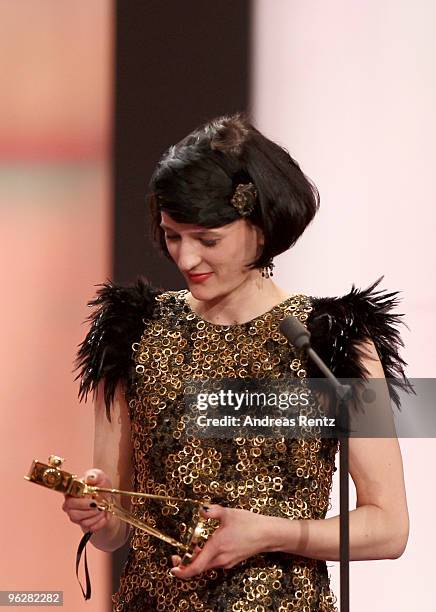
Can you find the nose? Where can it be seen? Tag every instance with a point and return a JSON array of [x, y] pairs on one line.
[[188, 257]]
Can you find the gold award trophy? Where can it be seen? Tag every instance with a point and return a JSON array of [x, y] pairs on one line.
[[53, 477]]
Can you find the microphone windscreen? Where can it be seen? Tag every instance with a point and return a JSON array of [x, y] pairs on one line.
[[295, 332]]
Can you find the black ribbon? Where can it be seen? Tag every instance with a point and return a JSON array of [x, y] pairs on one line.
[[82, 547]]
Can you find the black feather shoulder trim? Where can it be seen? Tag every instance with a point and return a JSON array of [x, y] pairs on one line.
[[117, 321], [339, 325]]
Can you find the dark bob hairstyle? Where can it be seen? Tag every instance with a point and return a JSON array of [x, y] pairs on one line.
[[195, 180]]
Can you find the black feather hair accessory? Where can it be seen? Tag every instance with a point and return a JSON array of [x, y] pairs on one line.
[[338, 326], [116, 323]]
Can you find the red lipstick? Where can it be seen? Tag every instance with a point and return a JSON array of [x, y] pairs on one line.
[[199, 278]]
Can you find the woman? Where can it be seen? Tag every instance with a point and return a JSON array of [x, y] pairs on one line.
[[224, 202]]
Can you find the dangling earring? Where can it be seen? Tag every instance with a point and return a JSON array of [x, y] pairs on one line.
[[267, 270]]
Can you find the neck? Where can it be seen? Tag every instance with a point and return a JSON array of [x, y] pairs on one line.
[[251, 299]]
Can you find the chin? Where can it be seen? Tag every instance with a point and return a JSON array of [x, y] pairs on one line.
[[200, 293]]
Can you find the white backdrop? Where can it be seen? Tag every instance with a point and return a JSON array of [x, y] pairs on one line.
[[349, 88]]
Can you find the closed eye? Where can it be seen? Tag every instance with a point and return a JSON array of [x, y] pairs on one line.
[[204, 241]]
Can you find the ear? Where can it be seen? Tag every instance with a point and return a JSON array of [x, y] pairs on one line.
[[260, 239]]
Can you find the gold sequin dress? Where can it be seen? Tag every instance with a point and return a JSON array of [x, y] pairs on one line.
[[289, 478]]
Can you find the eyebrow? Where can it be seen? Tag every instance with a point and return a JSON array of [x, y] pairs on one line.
[[200, 231]]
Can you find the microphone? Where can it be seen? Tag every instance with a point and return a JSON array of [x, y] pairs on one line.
[[295, 332], [299, 336]]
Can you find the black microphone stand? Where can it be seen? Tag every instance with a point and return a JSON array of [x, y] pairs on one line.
[[299, 336]]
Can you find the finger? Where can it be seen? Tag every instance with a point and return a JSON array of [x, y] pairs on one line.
[[77, 516], [193, 556], [176, 560], [92, 523], [202, 561], [79, 511], [196, 552], [98, 525], [76, 503], [95, 477], [213, 511]]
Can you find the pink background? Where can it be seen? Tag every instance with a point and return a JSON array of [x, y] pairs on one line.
[[349, 88], [55, 62]]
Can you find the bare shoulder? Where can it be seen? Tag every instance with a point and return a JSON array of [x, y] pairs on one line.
[[370, 359]]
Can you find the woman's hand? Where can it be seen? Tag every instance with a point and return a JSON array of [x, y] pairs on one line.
[[83, 510], [240, 535]]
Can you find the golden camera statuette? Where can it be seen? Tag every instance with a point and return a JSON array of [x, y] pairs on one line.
[[53, 477]]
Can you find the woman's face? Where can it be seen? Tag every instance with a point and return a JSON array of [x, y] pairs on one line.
[[213, 261]]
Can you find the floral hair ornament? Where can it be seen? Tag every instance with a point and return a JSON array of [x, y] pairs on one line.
[[244, 198]]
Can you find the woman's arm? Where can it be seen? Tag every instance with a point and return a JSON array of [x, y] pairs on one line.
[[113, 455], [378, 526], [113, 458]]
